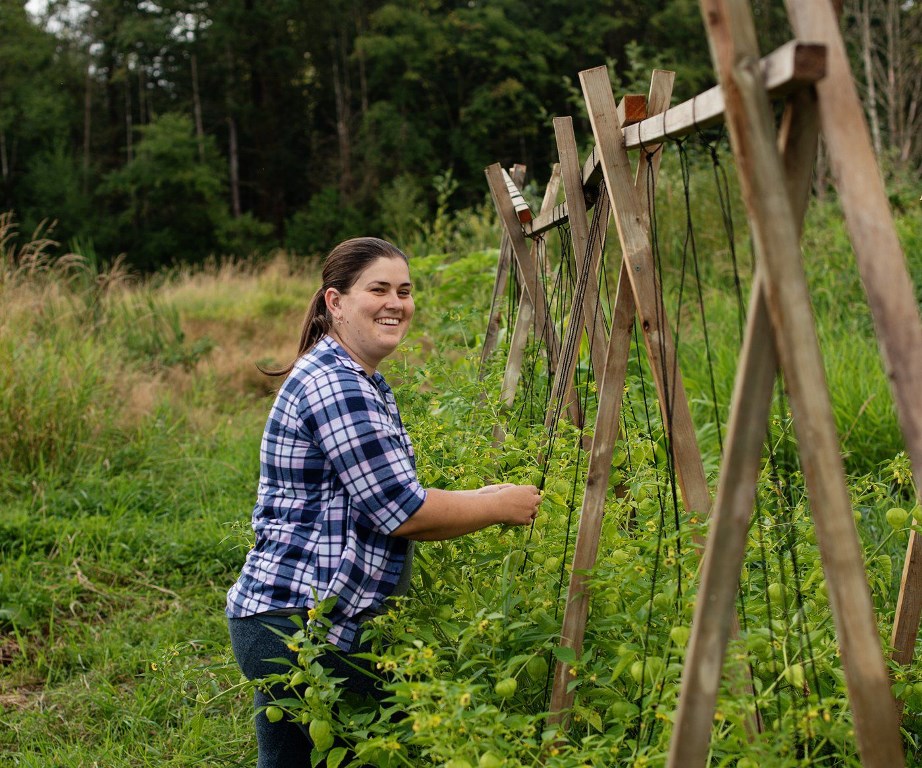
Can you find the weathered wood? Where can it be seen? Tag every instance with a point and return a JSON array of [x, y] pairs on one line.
[[526, 261], [586, 550], [637, 251], [790, 67], [909, 605], [525, 318], [552, 189], [775, 233], [522, 211], [606, 433], [585, 269], [631, 109], [499, 284], [661, 84], [714, 615], [589, 314], [882, 267]]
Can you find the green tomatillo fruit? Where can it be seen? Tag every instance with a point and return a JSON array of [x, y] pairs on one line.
[[897, 517], [274, 714], [506, 687]]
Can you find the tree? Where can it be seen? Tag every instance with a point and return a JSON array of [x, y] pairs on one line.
[[886, 37], [171, 204], [36, 123]]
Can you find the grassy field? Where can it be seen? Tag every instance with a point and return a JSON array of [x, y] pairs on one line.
[[129, 432]]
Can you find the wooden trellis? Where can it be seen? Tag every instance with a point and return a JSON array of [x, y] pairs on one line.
[[775, 176]]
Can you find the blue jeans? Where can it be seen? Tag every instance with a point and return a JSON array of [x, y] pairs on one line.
[[286, 744]]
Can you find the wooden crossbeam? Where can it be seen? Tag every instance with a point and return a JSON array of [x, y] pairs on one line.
[[783, 287], [631, 109], [786, 69]]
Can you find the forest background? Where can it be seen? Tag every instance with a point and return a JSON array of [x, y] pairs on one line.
[[171, 131]]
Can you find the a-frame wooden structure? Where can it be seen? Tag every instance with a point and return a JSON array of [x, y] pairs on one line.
[[775, 177]]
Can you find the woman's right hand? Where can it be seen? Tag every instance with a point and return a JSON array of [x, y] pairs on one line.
[[518, 503]]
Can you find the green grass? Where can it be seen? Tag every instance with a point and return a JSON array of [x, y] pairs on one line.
[[130, 419]]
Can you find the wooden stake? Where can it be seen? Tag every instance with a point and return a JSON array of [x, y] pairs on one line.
[[526, 261], [587, 313], [881, 264], [499, 284], [739, 473], [525, 318], [611, 393], [733, 45], [635, 245]]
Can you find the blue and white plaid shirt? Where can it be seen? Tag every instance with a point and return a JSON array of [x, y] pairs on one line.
[[337, 476]]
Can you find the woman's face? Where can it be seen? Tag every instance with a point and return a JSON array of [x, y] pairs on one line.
[[373, 317]]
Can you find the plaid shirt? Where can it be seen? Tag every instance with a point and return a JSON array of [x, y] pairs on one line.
[[337, 476]]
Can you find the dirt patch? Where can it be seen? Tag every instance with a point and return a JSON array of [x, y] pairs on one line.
[[9, 650]]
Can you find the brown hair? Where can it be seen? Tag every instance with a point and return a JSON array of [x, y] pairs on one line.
[[341, 269]]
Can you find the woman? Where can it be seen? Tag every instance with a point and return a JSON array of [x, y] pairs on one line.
[[339, 503]]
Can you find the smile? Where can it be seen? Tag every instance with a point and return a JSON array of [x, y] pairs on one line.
[[388, 321]]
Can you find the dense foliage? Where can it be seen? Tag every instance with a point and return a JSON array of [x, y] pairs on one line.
[[129, 427], [178, 129]]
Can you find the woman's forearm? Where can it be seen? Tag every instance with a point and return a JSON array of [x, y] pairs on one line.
[[448, 514]]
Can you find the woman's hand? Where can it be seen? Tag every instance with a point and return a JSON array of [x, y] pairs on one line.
[[520, 503]]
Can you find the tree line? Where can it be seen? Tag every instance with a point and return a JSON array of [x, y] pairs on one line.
[[172, 130]]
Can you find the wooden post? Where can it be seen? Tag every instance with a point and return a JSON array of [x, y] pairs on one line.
[[882, 267], [526, 261], [733, 45], [739, 474], [499, 284], [587, 312], [635, 245], [525, 318], [611, 393]]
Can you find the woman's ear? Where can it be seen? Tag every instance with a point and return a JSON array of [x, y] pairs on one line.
[[332, 298]]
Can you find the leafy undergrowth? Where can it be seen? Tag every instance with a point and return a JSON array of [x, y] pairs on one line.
[[129, 432]]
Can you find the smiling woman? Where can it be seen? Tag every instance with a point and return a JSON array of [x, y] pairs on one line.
[[374, 316], [339, 504]]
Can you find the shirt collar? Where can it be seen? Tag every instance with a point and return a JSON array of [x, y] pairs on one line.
[[329, 343]]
